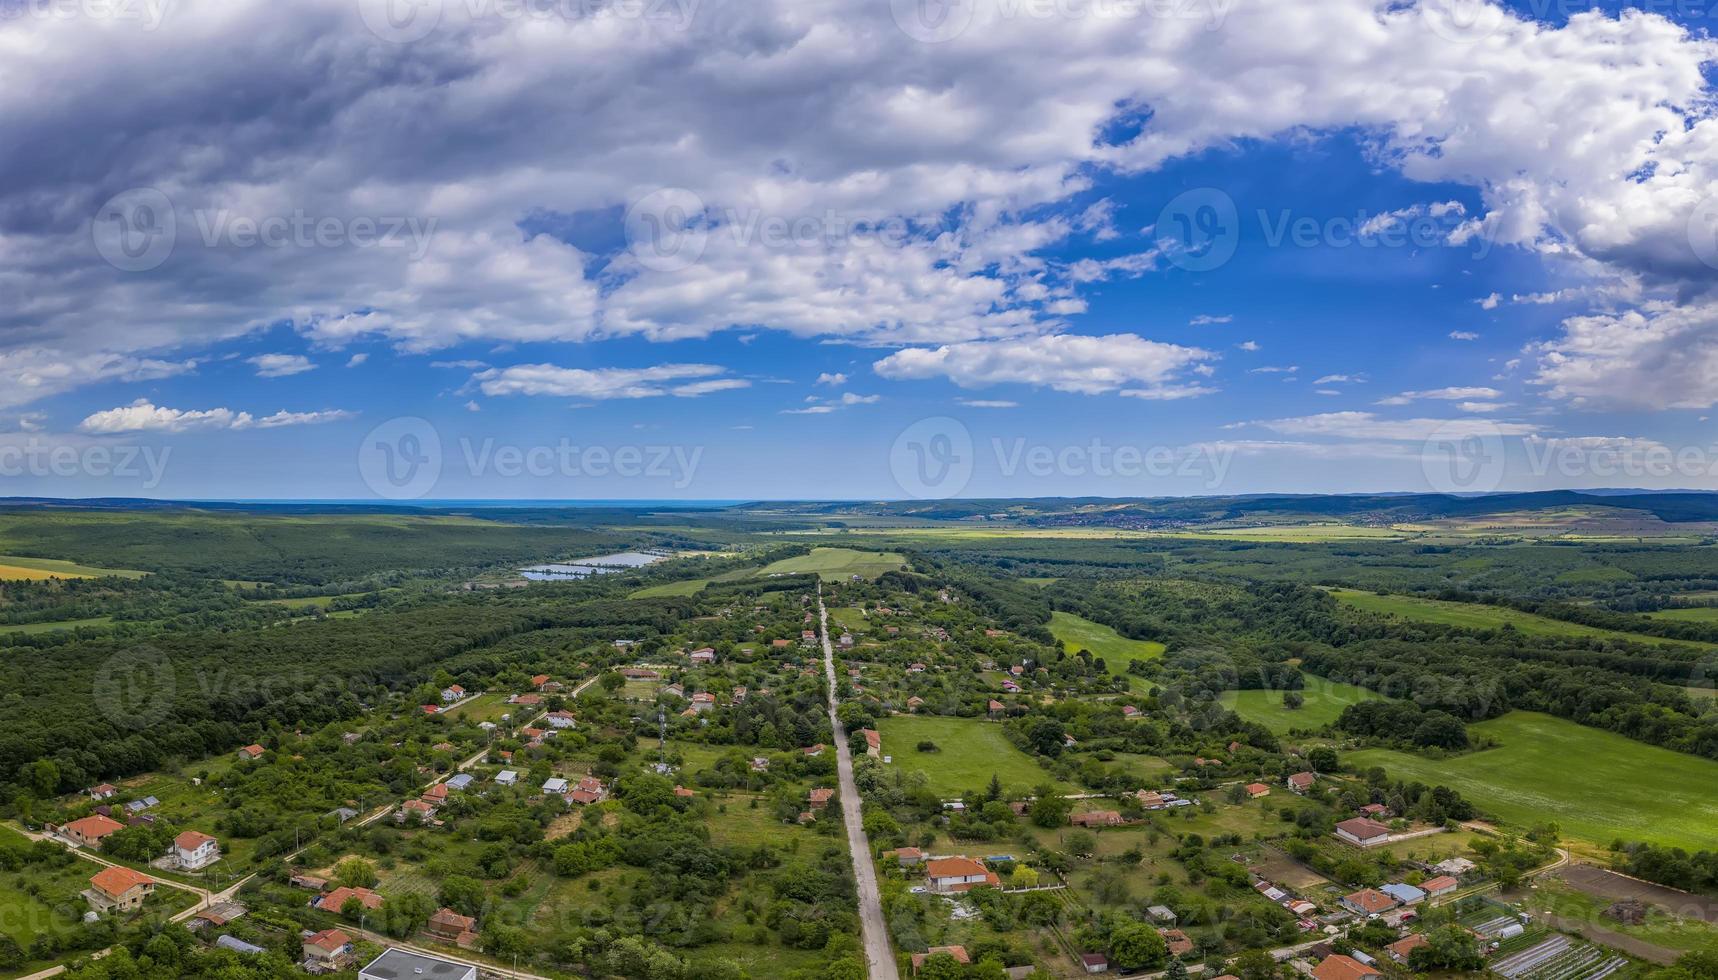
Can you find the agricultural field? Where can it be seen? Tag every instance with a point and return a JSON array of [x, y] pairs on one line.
[[1077, 633], [1322, 703], [31, 629], [38, 569], [1555, 898], [1468, 615], [968, 752], [1693, 614], [691, 586], [836, 564], [1621, 788]]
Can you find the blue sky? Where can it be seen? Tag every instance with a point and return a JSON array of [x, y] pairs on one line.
[[1420, 260]]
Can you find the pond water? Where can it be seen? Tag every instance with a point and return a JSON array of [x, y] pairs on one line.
[[585, 567]]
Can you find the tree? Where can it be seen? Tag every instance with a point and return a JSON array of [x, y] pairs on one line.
[[941, 966], [1256, 964], [1046, 737], [1323, 759], [355, 873], [1049, 809], [1082, 843], [1447, 948], [1292, 700], [462, 894], [1177, 970], [1136, 946], [612, 682], [994, 790], [1023, 877]]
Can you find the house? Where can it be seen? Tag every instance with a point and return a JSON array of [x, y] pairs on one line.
[[105, 791], [1096, 818], [118, 890], [400, 964], [1256, 790], [193, 850], [560, 720], [1161, 913], [1150, 799], [526, 699], [451, 927], [1339, 967], [308, 882], [846, 641], [453, 692], [1094, 962], [218, 915], [1368, 902], [1405, 894], [703, 701], [1402, 949], [1300, 907], [1179, 944], [459, 782], [336, 900], [1129, 711], [684, 793], [251, 752], [430, 709], [915, 668], [424, 811], [994, 708], [555, 784], [760, 764], [814, 750], [1362, 831], [1440, 886], [1300, 782], [704, 656], [1270, 891], [906, 857], [506, 777], [915, 703], [436, 795], [639, 674], [958, 952], [958, 874], [820, 797], [1375, 810], [328, 951], [739, 694], [674, 689], [873, 742], [90, 831]]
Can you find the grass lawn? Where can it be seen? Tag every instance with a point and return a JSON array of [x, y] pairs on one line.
[[1323, 702], [1476, 616], [971, 751], [1596, 785], [835, 564], [37, 569], [1116, 649], [848, 618], [488, 706], [691, 586]]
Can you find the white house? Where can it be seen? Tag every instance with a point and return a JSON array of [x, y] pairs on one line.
[[555, 785], [560, 719], [193, 850], [506, 777], [957, 874], [453, 693]]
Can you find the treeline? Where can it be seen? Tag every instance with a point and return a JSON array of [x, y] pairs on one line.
[[1671, 866]]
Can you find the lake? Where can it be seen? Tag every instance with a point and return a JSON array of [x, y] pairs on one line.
[[585, 567]]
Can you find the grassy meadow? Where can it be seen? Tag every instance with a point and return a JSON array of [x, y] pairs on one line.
[[1323, 702], [691, 586], [1103, 641], [835, 564], [1595, 785], [41, 569], [971, 751], [1470, 615]]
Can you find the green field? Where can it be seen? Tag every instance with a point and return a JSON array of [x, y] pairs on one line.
[[1323, 703], [691, 586], [64, 624], [1597, 786], [36, 569], [971, 751], [1693, 614], [1116, 649], [835, 564], [1469, 615]]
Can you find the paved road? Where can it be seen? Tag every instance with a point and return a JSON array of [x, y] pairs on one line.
[[880, 959]]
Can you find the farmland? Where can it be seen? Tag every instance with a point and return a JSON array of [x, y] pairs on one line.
[[835, 564], [968, 753], [1322, 703], [690, 586], [1528, 780], [38, 569]]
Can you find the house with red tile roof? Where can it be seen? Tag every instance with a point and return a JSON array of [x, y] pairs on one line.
[[193, 850], [958, 952], [118, 889], [328, 951], [90, 831], [251, 752], [1300, 782], [1339, 967], [335, 900], [1362, 831], [958, 874]]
